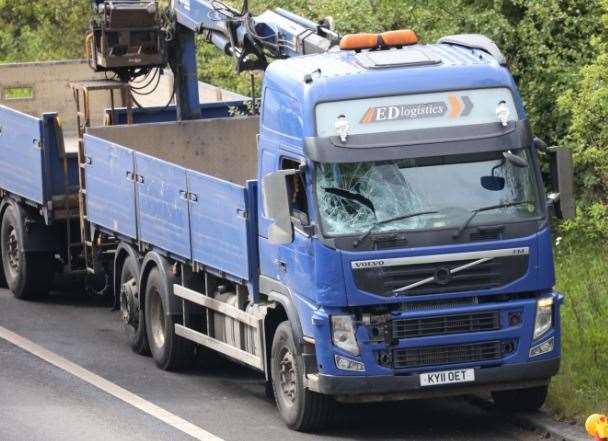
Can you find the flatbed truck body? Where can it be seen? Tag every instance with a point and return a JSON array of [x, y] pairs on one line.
[[264, 238]]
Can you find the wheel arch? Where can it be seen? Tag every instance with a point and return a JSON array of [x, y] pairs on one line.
[[152, 260], [36, 235], [280, 294], [285, 309]]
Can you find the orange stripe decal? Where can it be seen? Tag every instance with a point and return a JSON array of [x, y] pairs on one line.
[[456, 106], [369, 116], [366, 116]]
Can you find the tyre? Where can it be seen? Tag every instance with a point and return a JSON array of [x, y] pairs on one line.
[[131, 308], [3, 283], [29, 275], [300, 408], [521, 399], [170, 351]]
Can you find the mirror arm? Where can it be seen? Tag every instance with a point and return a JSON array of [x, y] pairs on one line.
[[553, 197], [308, 229], [540, 144]]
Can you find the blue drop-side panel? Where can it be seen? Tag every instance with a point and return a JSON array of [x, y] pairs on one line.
[[110, 188], [218, 224], [21, 155], [162, 205]]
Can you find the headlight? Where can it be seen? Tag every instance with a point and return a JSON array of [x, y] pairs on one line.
[[343, 333], [543, 348], [544, 316], [346, 364]]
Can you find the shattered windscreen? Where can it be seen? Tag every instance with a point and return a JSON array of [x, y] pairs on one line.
[[352, 197]]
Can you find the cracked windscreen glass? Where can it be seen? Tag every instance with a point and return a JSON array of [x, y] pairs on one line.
[[352, 197]]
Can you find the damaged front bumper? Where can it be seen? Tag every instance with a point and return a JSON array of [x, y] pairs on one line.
[[400, 387]]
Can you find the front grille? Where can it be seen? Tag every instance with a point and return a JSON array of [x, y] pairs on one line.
[[490, 274], [445, 324], [439, 304], [441, 355], [478, 236]]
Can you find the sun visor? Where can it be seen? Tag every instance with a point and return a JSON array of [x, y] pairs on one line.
[[415, 112], [420, 143]]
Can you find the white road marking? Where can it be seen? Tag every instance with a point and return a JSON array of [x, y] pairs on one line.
[[108, 387]]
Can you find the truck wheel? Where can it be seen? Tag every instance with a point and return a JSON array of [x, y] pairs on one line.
[[521, 399], [170, 351], [300, 408], [130, 307], [28, 275]]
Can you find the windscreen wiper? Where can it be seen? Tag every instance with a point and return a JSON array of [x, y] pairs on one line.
[[474, 213], [357, 197], [388, 221]]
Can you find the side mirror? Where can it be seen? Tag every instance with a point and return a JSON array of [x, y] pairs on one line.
[[562, 177], [276, 206], [493, 183]]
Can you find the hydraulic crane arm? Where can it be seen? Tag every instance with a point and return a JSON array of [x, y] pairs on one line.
[[132, 37], [277, 33]]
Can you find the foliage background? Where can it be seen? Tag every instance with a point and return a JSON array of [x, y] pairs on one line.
[[557, 52]]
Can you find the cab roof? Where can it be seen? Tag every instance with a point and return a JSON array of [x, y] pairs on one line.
[[342, 75]]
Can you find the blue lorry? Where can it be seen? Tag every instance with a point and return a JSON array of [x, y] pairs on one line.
[[380, 232]]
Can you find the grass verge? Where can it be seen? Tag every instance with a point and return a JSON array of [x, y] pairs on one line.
[[581, 388]]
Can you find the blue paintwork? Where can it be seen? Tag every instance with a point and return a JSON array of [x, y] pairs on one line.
[[186, 77], [31, 166], [271, 26], [187, 214], [162, 211], [21, 162], [521, 335], [168, 114], [343, 78], [110, 186], [252, 240], [219, 238], [326, 286], [531, 281], [53, 159]]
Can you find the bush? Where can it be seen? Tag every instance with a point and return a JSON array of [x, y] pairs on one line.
[[586, 104], [42, 29]]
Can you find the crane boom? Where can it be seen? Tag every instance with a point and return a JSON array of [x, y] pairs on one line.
[[278, 33], [131, 37]]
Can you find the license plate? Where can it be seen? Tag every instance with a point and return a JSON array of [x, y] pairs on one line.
[[447, 377]]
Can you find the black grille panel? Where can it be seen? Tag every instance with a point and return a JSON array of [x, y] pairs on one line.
[[490, 274], [440, 355], [479, 236], [445, 324]]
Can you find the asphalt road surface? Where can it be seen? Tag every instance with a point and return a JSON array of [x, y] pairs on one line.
[[40, 401]]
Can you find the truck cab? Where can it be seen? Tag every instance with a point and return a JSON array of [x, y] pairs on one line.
[[403, 211]]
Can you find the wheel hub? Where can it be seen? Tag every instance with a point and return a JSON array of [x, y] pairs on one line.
[[287, 377], [13, 250], [157, 320], [129, 307]]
